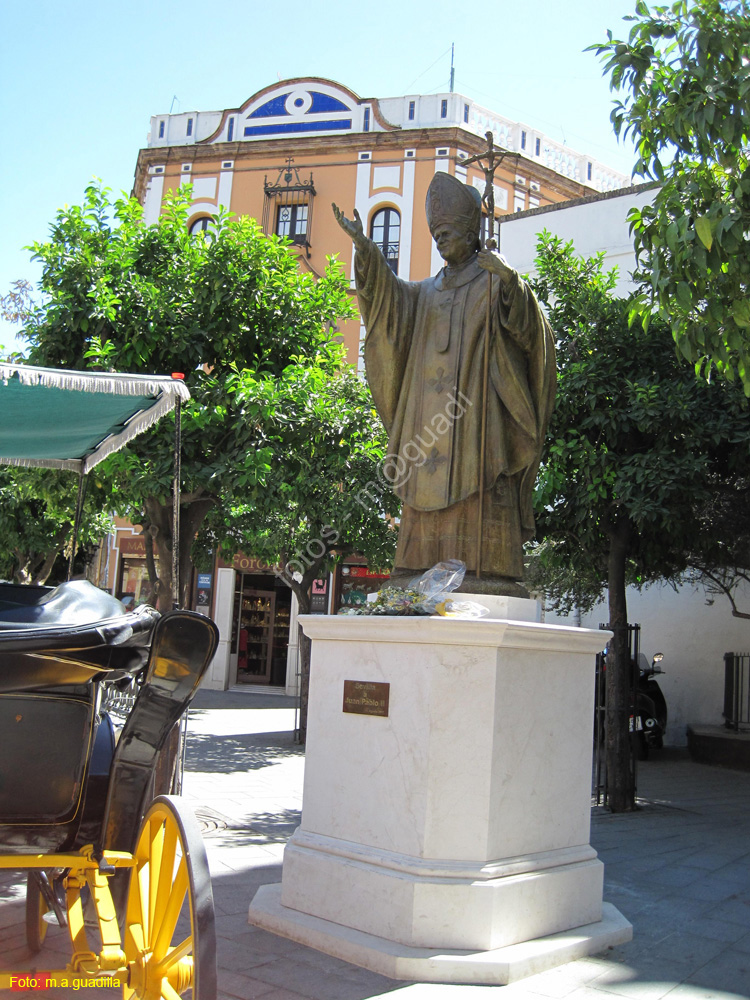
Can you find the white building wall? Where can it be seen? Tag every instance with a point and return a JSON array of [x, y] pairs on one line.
[[693, 630], [217, 677], [594, 225]]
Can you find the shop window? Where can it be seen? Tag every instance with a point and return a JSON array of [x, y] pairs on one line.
[[134, 586], [260, 629], [355, 583], [385, 231]]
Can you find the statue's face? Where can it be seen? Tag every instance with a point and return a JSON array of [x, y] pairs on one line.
[[455, 245]]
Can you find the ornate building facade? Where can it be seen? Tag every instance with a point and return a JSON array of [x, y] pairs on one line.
[[294, 147]]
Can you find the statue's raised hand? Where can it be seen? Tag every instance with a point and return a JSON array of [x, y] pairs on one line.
[[353, 228]]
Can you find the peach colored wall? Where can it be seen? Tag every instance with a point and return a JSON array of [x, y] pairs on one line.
[[333, 161]]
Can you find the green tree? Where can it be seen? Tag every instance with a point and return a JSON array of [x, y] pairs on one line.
[[322, 497], [37, 511], [117, 294], [636, 447], [684, 76]]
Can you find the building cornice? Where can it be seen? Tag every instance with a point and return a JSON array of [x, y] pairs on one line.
[[303, 147]]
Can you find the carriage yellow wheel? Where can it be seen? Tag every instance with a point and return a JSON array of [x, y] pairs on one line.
[[170, 938], [36, 907]]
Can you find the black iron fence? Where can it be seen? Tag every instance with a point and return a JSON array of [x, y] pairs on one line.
[[737, 691]]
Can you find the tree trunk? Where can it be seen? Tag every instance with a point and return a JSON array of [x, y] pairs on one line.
[[34, 569], [302, 589], [160, 520], [620, 774], [43, 569], [159, 514], [153, 575], [192, 516]]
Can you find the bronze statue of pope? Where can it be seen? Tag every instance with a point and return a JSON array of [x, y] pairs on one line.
[[424, 363]]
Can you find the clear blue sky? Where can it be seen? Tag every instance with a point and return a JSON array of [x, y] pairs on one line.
[[79, 81]]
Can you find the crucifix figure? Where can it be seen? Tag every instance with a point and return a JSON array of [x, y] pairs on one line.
[[494, 158], [425, 353]]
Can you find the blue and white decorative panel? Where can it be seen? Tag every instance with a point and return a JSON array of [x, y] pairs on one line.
[[299, 111]]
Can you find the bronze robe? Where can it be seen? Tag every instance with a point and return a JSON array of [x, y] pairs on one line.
[[423, 357]]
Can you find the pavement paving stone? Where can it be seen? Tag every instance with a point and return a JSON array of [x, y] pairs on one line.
[[729, 971], [735, 911], [693, 991], [235, 984]]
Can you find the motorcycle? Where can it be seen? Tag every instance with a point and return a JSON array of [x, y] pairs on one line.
[[648, 715], [648, 723]]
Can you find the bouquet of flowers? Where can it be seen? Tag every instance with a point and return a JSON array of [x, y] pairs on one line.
[[427, 594]]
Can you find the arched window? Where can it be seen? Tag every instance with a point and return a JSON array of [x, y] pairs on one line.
[[205, 224], [385, 230]]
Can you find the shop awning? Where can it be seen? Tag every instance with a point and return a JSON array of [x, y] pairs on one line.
[[73, 420]]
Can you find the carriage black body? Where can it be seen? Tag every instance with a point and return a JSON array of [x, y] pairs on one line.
[[68, 780]]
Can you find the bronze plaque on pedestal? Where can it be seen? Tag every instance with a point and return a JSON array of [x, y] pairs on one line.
[[366, 697]]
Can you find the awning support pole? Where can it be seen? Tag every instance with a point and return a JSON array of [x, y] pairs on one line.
[[176, 504], [77, 520]]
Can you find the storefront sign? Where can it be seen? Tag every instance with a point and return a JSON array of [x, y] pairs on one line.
[[319, 597], [134, 545], [248, 564], [204, 581], [362, 572], [366, 697]]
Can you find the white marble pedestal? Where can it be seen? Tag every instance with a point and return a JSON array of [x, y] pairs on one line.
[[449, 840]]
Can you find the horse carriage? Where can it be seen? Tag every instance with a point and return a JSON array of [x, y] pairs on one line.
[[85, 807]]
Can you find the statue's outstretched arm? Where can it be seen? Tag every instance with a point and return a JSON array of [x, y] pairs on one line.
[[353, 228]]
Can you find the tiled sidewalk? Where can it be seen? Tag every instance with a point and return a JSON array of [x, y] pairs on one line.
[[679, 869]]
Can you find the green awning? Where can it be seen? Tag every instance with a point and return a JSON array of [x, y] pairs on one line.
[[73, 420]]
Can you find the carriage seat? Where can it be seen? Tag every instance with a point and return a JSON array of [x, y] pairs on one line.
[[68, 635], [77, 602]]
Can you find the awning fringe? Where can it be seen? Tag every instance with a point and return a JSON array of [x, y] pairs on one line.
[[109, 382], [164, 389]]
